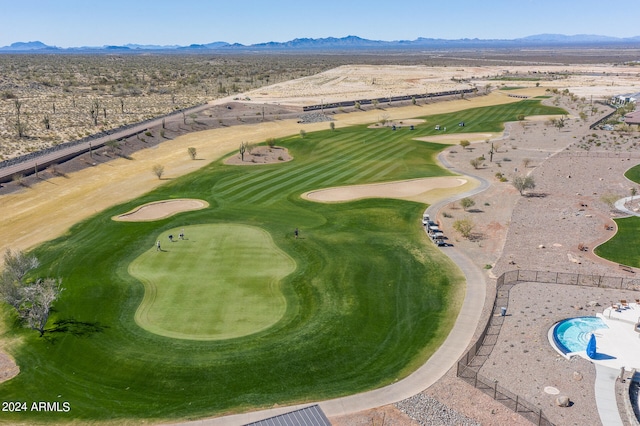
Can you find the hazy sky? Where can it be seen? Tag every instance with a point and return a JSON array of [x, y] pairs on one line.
[[66, 23]]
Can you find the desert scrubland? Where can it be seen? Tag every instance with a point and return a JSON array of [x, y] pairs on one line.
[[46, 100]]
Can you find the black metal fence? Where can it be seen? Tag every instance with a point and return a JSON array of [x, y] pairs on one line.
[[469, 365], [605, 118]]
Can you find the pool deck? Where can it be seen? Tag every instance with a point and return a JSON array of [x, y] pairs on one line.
[[619, 345]]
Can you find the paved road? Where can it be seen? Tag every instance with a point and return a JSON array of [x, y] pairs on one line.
[[437, 366]]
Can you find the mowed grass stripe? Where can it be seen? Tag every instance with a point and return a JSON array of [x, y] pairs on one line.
[[370, 172], [319, 174], [324, 166], [234, 185]]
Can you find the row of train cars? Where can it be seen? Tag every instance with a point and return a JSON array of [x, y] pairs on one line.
[[433, 231]]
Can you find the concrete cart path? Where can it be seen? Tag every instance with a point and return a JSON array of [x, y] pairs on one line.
[[437, 366]]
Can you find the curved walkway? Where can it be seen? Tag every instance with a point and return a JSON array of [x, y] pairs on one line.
[[438, 364], [620, 205]]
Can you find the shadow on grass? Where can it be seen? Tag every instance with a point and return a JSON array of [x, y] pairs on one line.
[[73, 327]]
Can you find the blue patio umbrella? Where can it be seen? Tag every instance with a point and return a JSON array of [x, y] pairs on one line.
[[591, 346]]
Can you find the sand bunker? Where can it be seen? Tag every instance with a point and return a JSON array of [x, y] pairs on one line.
[[161, 209], [414, 189]]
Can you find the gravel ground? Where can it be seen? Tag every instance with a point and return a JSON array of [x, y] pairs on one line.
[[573, 169]]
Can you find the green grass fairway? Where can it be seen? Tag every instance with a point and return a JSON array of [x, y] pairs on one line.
[[222, 281], [369, 301], [624, 247]]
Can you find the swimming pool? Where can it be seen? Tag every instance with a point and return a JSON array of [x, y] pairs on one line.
[[572, 335]]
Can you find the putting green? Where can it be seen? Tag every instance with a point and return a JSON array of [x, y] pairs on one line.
[[220, 282]]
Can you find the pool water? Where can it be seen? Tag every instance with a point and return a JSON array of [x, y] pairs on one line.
[[572, 335]]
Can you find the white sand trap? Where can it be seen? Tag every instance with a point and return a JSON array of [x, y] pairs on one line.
[[455, 138], [414, 189], [161, 209]]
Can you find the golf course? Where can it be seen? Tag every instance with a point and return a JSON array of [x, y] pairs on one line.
[[243, 313], [623, 247]]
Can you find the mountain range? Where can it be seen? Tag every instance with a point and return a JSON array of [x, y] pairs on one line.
[[332, 43]]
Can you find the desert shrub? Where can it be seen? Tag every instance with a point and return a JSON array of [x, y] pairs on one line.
[[193, 152], [464, 227], [7, 95]]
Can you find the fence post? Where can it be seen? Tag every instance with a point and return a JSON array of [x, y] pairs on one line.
[[495, 389], [475, 382], [540, 417], [516, 410]]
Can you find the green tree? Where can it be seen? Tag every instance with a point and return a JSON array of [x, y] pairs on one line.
[[467, 203], [523, 183], [32, 301], [16, 266], [303, 133], [464, 227], [37, 301], [464, 143], [332, 126], [112, 145]]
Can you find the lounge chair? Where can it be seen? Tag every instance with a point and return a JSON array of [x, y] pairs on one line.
[[624, 304]]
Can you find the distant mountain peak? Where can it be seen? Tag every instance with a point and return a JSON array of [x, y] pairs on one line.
[[350, 42]]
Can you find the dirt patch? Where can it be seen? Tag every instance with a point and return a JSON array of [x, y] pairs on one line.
[[414, 189], [260, 155], [161, 210], [8, 368], [397, 123], [457, 137]]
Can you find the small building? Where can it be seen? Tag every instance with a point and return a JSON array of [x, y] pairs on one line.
[[632, 118], [625, 98], [309, 416]]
